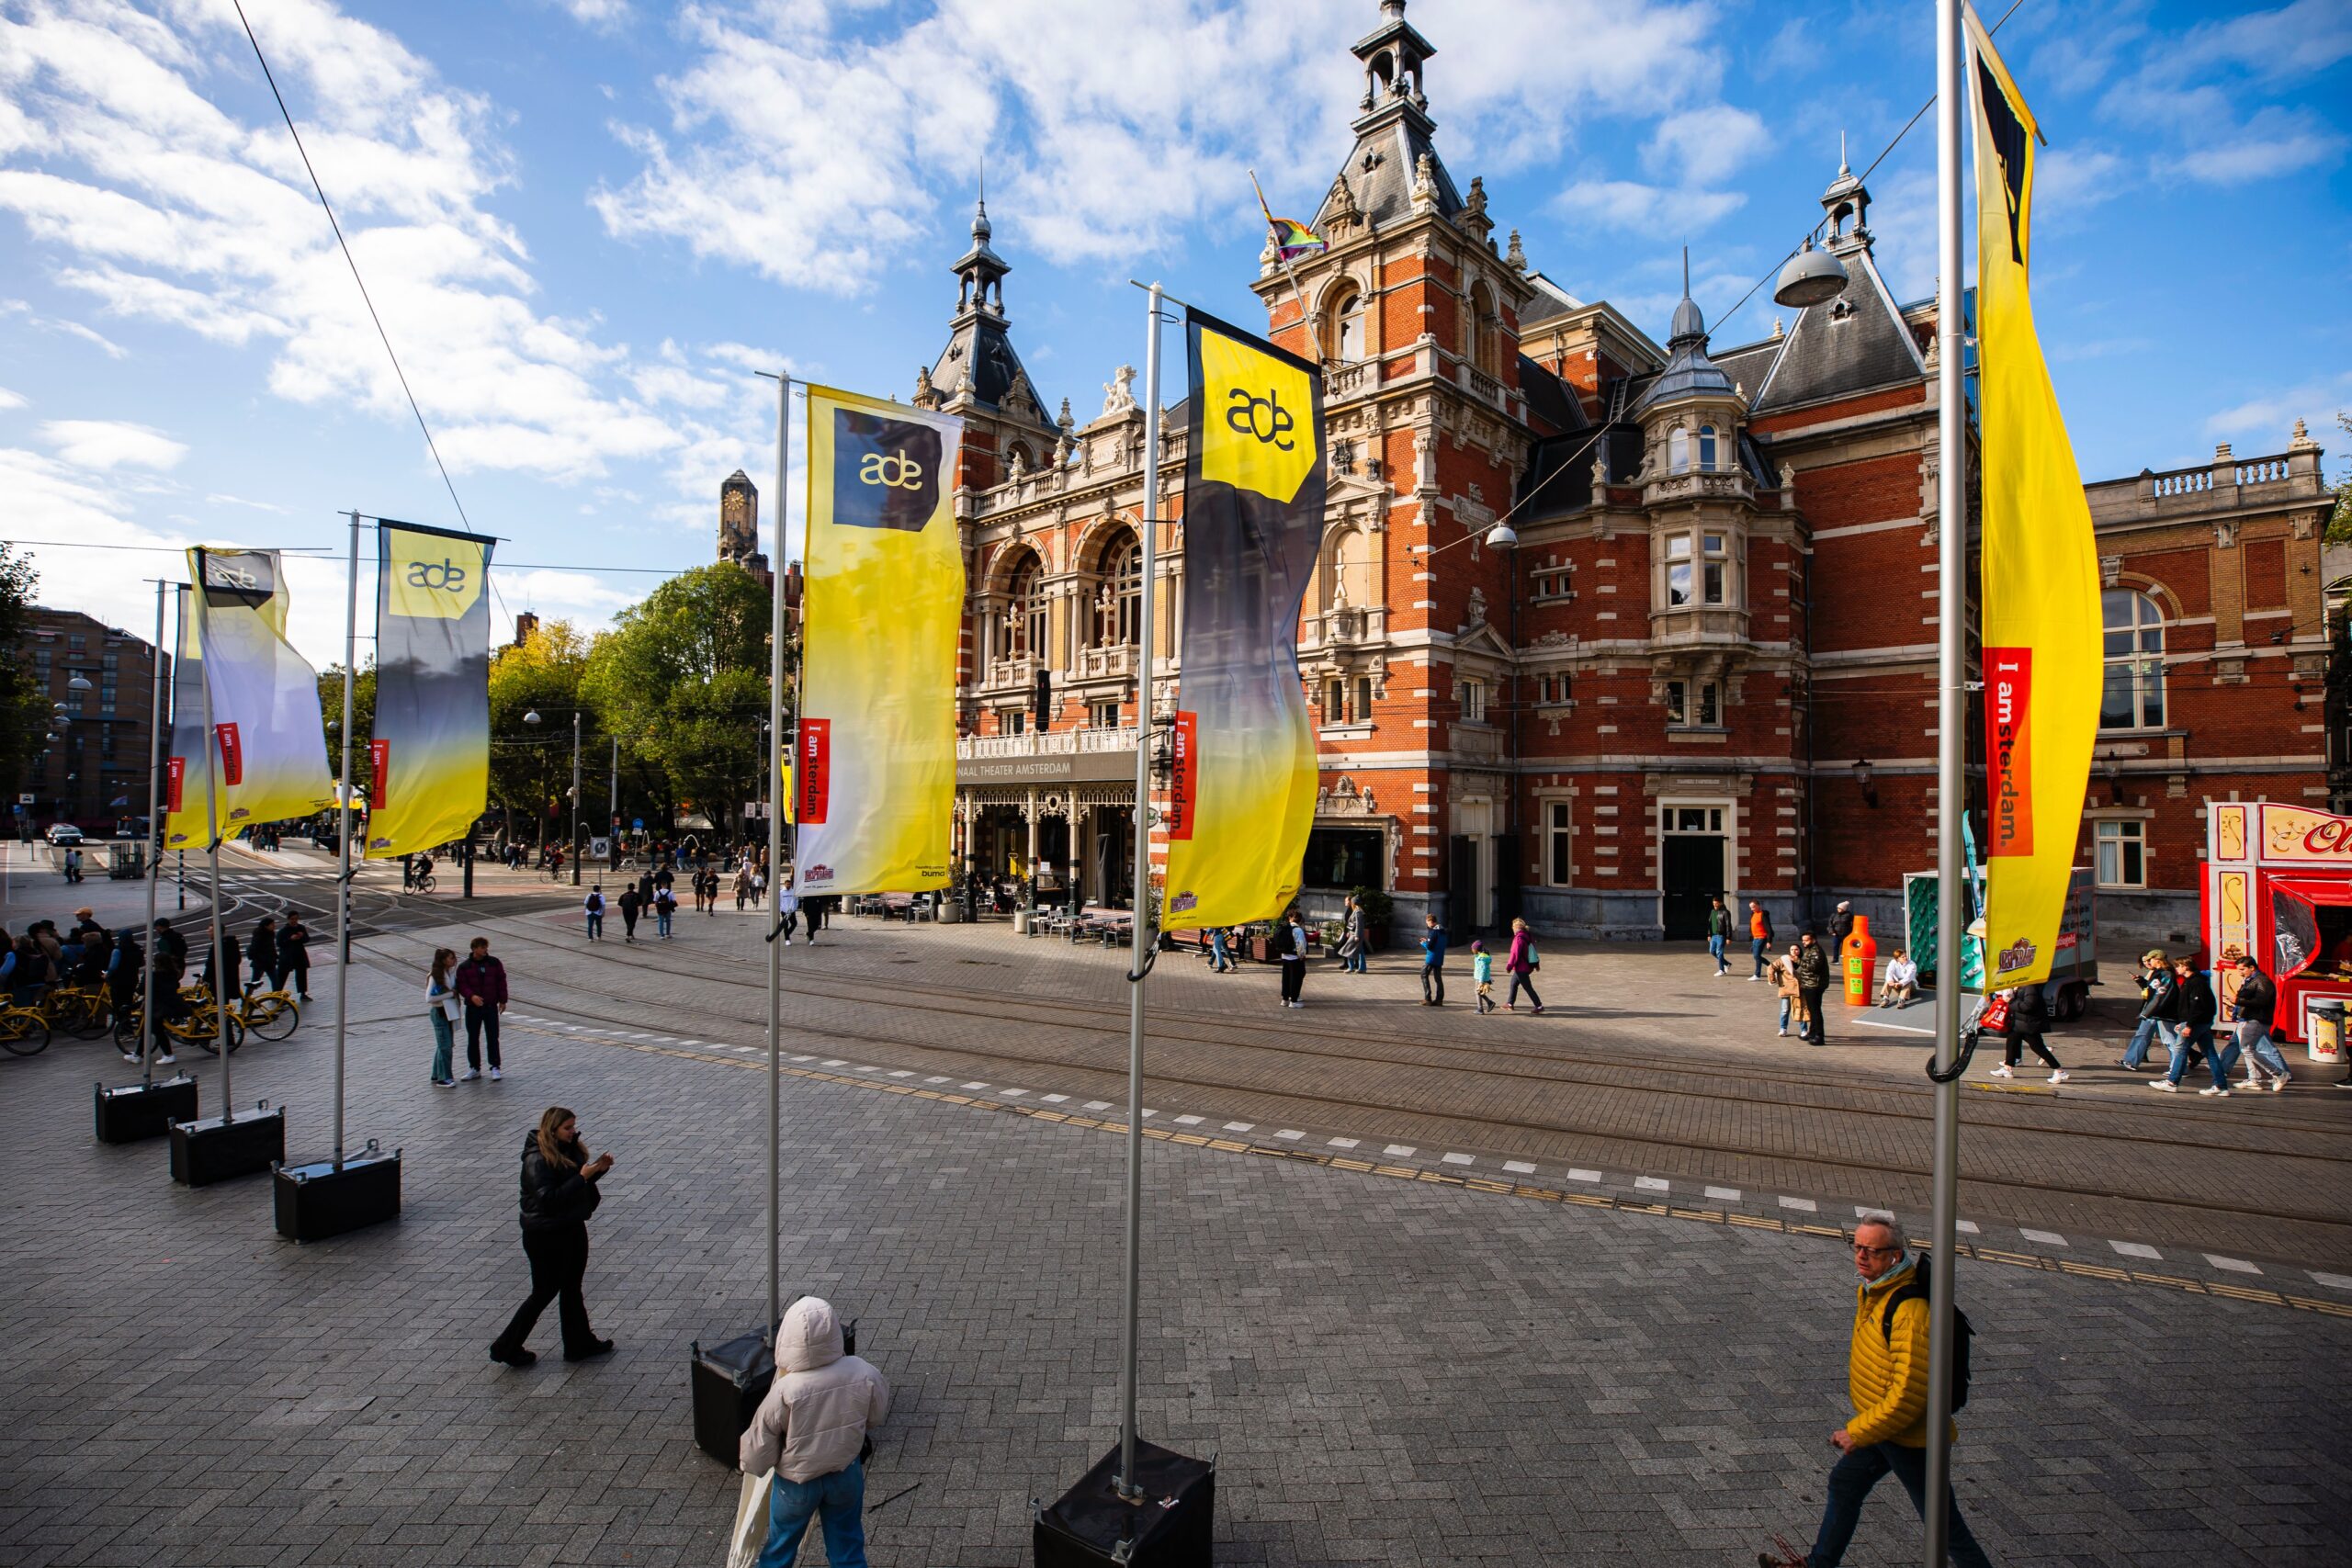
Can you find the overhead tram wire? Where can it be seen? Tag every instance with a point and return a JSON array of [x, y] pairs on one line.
[[1908, 126], [353, 262]]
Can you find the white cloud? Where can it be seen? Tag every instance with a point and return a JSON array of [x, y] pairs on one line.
[[9, 399], [2272, 415], [1109, 130], [1656, 211], [2274, 142], [599, 14], [1706, 146], [111, 444]]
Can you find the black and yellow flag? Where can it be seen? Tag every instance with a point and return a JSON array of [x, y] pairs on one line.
[[1244, 791], [429, 756], [2042, 585]]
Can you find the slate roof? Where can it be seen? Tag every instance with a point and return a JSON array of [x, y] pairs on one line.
[[1550, 301], [1393, 137], [1854, 342], [1551, 400]]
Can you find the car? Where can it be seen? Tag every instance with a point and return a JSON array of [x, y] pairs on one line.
[[64, 833]]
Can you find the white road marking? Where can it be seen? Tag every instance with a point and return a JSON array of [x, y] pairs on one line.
[[973, 1085], [1344, 1143], [1398, 1151], [1188, 1121], [1098, 1105], [1803, 1205], [1241, 1127], [1458, 1159], [835, 1062], [1653, 1183], [1584, 1174], [935, 1078], [2047, 1238], [2334, 1281], [1730, 1192], [2137, 1249], [1905, 1028], [1968, 1225], [1291, 1133], [1050, 1100], [1012, 1093], [1519, 1167], [902, 1073], [2234, 1264]]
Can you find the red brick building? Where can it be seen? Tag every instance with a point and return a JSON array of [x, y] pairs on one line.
[[1708, 666]]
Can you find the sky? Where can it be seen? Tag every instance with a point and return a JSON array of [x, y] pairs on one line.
[[586, 223]]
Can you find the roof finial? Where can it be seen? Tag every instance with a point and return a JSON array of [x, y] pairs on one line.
[[1686, 272], [1843, 167]]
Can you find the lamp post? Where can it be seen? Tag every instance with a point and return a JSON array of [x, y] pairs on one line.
[[575, 797]]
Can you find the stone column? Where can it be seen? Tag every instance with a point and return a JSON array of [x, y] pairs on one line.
[[1029, 866]]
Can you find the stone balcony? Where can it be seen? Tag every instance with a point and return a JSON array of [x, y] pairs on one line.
[[2227, 484], [1020, 671], [1666, 489], [1346, 626], [1116, 661]]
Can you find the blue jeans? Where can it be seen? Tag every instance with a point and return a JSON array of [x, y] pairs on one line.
[[1716, 951], [838, 1499], [662, 922], [595, 925], [1755, 945], [2189, 1034], [2254, 1040], [1788, 1004], [1850, 1480], [444, 1040], [1219, 958], [2150, 1029]]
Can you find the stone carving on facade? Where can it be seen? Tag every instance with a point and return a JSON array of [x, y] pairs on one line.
[[1477, 611], [1424, 183], [1343, 799], [1119, 391], [926, 395], [2111, 571], [2225, 534], [1340, 205], [1516, 257], [2303, 525]]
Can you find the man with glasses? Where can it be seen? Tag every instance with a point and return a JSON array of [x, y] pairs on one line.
[[1887, 1377]]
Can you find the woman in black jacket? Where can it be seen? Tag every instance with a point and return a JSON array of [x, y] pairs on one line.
[[559, 1194], [2028, 1016], [294, 954], [262, 954]]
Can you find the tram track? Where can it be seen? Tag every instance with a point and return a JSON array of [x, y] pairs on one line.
[[1493, 1128]]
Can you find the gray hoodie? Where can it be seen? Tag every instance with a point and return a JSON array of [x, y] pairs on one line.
[[818, 1410]]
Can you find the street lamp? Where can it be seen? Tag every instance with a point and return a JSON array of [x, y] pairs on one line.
[[80, 682], [575, 797], [1812, 277]]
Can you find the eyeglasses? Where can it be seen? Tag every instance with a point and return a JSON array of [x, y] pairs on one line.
[[1860, 1250]]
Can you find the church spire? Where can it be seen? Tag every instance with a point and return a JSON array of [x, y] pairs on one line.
[[979, 271]]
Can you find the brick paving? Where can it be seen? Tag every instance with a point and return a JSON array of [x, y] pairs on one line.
[[1390, 1372]]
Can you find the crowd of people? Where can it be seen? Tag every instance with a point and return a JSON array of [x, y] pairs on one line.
[[41, 957]]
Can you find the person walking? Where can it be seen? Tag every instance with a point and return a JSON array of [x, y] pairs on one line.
[[1783, 975], [1812, 967], [812, 1430], [593, 908], [1293, 952], [1886, 1376], [1842, 926], [2195, 1009], [1351, 937], [630, 904], [2255, 1006], [1521, 963], [232, 961], [261, 952], [743, 885], [1759, 937], [1432, 962], [294, 952], [559, 1191], [481, 981], [1719, 935], [665, 907], [788, 910], [1482, 975], [816, 910], [1220, 956], [442, 1003], [2028, 1016], [2155, 978]]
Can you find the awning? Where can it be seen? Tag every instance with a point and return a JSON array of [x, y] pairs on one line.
[[2316, 890]]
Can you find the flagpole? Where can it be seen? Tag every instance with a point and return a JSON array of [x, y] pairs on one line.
[[1146, 934], [1951, 751], [154, 822], [1298, 296], [212, 772], [775, 870], [342, 833]]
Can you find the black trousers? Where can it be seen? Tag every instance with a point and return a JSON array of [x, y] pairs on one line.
[[1293, 977], [1813, 1026], [1432, 983], [479, 1021], [2021, 1042], [559, 1262]]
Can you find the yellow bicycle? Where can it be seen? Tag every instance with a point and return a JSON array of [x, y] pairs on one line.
[[24, 1031], [83, 1012]]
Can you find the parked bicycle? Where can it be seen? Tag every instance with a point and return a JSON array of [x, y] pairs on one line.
[[85, 1012], [24, 1031]]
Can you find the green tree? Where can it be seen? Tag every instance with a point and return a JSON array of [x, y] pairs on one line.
[[24, 706], [530, 764], [363, 716], [682, 679], [2339, 526]]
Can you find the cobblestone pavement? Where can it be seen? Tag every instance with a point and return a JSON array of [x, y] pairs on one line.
[[1389, 1370], [1648, 1068]]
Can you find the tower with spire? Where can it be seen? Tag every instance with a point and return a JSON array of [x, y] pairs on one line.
[[979, 376]]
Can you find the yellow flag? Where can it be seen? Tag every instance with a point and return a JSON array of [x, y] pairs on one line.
[[875, 769], [2041, 589]]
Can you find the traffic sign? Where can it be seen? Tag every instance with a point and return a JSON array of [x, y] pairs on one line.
[[637, 823]]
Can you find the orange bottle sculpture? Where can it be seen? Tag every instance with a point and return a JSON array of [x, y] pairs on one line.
[[1861, 959]]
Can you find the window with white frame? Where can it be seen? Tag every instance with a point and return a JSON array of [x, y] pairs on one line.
[[1677, 450], [1707, 447], [2134, 696], [1474, 702], [1551, 690], [2123, 853], [1714, 566], [1555, 843], [1103, 715], [1693, 705], [1678, 579], [1347, 701], [1549, 582]]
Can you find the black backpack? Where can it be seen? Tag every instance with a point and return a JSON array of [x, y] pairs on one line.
[[1915, 1289]]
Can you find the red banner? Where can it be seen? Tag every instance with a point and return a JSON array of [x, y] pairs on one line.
[[174, 774], [233, 756], [379, 772], [2008, 749], [816, 769], [1184, 779]]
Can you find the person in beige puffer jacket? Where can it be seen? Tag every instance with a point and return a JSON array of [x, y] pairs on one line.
[[809, 1430]]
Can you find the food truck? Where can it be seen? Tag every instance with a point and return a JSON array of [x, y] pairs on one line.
[[2278, 884], [2073, 966]]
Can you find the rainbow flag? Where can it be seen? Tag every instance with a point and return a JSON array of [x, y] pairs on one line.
[[1292, 240]]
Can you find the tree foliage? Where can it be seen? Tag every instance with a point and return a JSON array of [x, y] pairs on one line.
[[24, 707], [530, 764], [363, 717], [2339, 526], [681, 678]]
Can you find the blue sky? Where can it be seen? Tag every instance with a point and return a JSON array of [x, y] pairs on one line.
[[586, 222]]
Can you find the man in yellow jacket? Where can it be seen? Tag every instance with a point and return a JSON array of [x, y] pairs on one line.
[[1886, 1375]]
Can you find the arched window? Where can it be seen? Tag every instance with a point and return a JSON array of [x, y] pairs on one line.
[[1707, 448], [1118, 607], [1482, 336], [2134, 694], [1025, 614], [1345, 334], [1677, 450], [1348, 579], [1018, 459]]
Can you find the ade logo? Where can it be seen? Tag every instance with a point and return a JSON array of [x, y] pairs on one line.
[[444, 576], [1261, 419], [885, 471]]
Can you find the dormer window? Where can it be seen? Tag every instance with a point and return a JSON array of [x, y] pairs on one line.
[[1707, 448], [1677, 450]]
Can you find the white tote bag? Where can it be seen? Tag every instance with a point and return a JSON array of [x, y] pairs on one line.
[[751, 1521]]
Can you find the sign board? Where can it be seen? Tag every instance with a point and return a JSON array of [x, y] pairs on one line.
[[637, 824], [601, 849], [755, 811], [24, 800]]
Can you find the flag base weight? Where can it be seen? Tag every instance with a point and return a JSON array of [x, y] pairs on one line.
[[138, 1110], [729, 1381], [1172, 1526], [319, 1200], [216, 1148]]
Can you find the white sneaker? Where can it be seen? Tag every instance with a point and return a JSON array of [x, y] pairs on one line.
[[1755, 977], [167, 1059], [495, 1073], [469, 1075], [2004, 1071], [2277, 1084], [2214, 1093], [2164, 1086], [2060, 1075], [1782, 1032], [132, 1056]]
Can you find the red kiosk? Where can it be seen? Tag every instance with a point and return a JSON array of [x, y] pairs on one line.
[[2278, 884]]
